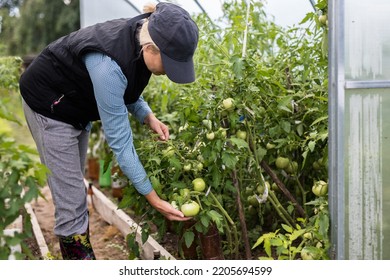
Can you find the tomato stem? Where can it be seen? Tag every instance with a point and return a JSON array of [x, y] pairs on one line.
[[279, 208], [231, 222]]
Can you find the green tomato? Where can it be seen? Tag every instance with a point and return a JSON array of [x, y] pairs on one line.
[[228, 103], [316, 165], [174, 196], [241, 134], [292, 167], [323, 19], [210, 135], [223, 132], [320, 188], [306, 254], [190, 209], [270, 146], [207, 123], [248, 191], [282, 162], [261, 188], [187, 167], [199, 184], [168, 152], [185, 193], [309, 253], [252, 200], [199, 166]]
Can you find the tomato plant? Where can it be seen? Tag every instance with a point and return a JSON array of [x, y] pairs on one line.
[[248, 124]]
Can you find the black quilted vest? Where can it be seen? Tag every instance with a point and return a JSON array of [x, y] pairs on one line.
[[57, 84]]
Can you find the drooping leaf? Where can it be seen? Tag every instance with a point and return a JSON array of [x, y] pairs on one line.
[[240, 143], [189, 237]]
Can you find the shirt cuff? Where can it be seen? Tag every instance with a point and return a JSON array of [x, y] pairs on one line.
[[144, 188], [140, 109]]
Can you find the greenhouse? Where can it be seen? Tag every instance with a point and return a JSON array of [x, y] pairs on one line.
[[265, 139]]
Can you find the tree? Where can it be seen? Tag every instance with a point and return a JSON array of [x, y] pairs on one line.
[[39, 22], [10, 4]]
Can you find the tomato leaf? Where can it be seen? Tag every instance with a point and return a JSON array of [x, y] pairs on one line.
[[238, 66], [175, 162], [311, 145], [258, 242], [189, 237], [240, 143], [319, 120], [217, 176], [229, 160], [144, 235], [287, 228], [205, 220], [267, 247], [286, 126], [216, 218], [296, 234]]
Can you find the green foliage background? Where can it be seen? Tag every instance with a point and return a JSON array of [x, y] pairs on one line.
[[39, 22], [20, 174]]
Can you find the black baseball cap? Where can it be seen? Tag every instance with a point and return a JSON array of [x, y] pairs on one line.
[[176, 35]]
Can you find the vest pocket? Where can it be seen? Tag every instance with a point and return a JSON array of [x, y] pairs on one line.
[[70, 107]]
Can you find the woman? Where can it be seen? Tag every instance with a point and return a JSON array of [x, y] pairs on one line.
[[99, 73]]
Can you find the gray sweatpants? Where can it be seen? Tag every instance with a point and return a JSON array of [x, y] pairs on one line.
[[63, 149]]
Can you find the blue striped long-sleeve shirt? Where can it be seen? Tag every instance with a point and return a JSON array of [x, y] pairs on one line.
[[109, 85]]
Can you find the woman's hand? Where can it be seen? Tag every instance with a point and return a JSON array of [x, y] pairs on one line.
[[165, 208], [157, 126]]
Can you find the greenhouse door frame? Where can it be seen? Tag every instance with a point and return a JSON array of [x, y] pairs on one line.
[[337, 88]]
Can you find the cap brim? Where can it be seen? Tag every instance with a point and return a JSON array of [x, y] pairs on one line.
[[178, 71]]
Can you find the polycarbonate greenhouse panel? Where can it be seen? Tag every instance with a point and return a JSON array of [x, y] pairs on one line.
[[367, 40], [359, 129], [367, 176], [92, 11], [367, 130]]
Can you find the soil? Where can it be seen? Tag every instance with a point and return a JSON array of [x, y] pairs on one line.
[[107, 241], [33, 246]]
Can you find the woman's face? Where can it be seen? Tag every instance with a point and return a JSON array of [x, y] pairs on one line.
[[152, 60]]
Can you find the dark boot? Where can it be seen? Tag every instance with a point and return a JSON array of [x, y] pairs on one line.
[[76, 247]]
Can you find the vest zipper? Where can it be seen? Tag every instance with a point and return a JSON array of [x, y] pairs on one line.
[[55, 103]]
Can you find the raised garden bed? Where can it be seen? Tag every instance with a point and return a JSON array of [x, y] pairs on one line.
[[124, 223]]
